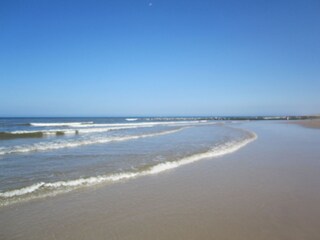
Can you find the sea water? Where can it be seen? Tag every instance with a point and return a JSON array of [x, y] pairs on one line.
[[41, 157]]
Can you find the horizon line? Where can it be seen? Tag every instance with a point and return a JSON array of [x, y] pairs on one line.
[[170, 116]]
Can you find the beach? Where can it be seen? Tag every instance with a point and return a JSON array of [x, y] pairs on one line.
[[310, 123], [268, 189], [160, 120]]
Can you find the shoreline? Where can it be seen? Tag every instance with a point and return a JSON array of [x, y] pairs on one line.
[[310, 123], [266, 190], [45, 189]]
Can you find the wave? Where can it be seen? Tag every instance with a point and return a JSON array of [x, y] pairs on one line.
[[45, 146], [10, 135], [223, 149], [146, 124], [42, 133], [88, 128], [178, 118], [91, 124], [60, 124], [131, 119]]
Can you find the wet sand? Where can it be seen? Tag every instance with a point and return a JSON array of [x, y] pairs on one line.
[[268, 190], [309, 123]]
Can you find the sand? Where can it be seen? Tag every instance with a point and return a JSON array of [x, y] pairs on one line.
[[268, 190], [309, 123]]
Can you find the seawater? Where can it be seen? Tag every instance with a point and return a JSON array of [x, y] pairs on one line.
[[40, 157]]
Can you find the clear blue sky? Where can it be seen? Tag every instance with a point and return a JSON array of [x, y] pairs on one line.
[[161, 57]]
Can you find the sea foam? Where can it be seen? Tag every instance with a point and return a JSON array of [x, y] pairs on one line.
[[131, 119], [225, 148], [45, 146], [73, 130], [60, 124], [91, 124]]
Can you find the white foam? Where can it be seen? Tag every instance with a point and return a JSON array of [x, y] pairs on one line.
[[22, 191], [60, 124], [223, 149], [138, 124], [270, 118], [131, 119], [45, 146], [76, 130]]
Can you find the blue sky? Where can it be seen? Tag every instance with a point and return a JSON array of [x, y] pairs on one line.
[[161, 57]]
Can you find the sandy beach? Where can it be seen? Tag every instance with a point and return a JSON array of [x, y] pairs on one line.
[[160, 120], [266, 190], [309, 123]]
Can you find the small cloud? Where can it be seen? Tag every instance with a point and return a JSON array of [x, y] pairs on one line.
[[150, 4]]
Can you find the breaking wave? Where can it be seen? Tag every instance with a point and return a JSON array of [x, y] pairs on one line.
[[60, 124], [87, 127], [12, 135], [41, 189], [131, 119], [138, 124], [45, 146], [42, 133]]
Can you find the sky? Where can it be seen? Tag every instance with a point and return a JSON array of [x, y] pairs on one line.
[[159, 58]]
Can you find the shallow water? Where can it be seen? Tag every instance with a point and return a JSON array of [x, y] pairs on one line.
[[93, 151]]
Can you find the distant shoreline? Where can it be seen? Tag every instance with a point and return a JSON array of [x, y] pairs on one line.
[[214, 118], [309, 123]]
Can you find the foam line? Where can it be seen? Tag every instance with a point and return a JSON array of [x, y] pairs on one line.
[[60, 124], [45, 146], [131, 119], [91, 124], [73, 130], [225, 148]]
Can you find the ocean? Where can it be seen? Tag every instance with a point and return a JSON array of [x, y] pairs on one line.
[[43, 157]]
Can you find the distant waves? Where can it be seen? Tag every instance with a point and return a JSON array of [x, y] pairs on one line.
[[75, 128]]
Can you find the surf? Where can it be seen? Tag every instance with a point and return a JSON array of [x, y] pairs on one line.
[[42, 189], [54, 145]]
